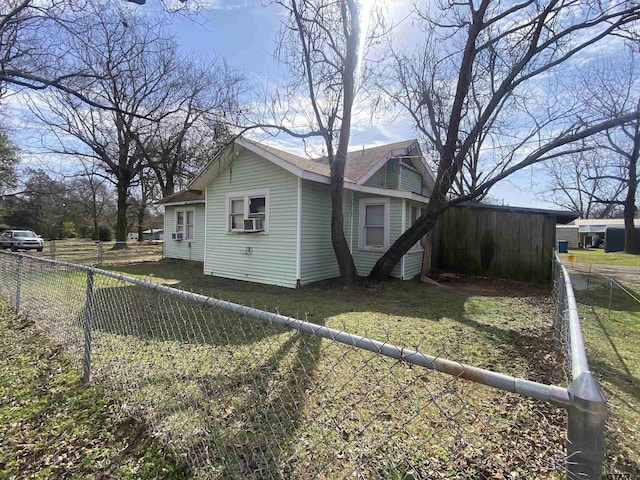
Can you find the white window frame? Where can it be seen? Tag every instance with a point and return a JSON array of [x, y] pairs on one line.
[[364, 202], [420, 244], [245, 196], [183, 227]]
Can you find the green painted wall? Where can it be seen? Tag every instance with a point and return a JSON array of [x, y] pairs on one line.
[[185, 250], [378, 179], [391, 171], [318, 261], [410, 180], [494, 243], [272, 258], [413, 264]]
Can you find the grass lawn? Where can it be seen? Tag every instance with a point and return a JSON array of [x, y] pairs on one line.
[[238, 398], [52, 426], [613, 345], [598, 256]]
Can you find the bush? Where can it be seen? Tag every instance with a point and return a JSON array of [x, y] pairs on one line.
[[104, 234]]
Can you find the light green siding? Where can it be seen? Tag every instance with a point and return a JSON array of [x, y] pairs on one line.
[[391, 169], [318, 261], [268, 257], [410, 180], [413, 264], [378, 179], [186, 250]]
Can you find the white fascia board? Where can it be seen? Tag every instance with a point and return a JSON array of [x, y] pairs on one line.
[[315, 177], [298, 172], [206, 175], [385, 192], [362, 180], [174, 204]]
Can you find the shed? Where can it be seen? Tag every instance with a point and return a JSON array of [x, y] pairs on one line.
[[514, 243], [614, 239]]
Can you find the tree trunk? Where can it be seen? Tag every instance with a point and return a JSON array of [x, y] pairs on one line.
[[630, 245], [348, 272], [121, 218], [140, 224], [385, 264]]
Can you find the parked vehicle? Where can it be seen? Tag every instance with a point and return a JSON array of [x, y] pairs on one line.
[[21, 240]]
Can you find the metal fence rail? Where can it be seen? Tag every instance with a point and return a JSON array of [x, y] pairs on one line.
[[587, 408], [238, 392]]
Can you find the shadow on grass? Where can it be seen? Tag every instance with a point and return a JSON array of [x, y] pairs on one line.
[[424, 305], [225, 391]]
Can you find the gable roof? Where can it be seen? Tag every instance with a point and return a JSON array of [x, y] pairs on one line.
[[183, 197], [360, 166]]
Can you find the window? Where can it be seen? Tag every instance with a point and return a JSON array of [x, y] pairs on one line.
[[374, 224], [185, 223], [414, 215], [244, 206]]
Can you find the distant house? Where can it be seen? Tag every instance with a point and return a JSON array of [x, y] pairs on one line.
[[587, 232], [261, 214], [153, 234]]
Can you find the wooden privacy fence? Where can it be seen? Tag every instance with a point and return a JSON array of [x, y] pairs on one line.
[[483, 240]]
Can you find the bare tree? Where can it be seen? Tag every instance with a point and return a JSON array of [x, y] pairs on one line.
[[579, 182], [133, 67], [321, 43], [488, 56], [614, 88], [189, 134], [91, 192]]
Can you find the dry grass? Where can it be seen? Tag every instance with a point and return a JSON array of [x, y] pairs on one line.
[[238, 398]]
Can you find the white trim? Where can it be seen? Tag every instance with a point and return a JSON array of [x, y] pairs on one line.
[[363, 202], [419, 248], [393, 153], [180, 204], [297, 171], [245, 195], [184, 212], [204, 252], [388, 193], [299, 233]]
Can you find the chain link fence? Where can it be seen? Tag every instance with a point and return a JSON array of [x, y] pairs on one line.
[[237, 392]]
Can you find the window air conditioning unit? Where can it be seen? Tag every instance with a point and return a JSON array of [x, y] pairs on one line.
[[177, 236], [254, 224]]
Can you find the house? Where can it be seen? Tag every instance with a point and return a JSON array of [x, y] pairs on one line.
[[261, 214], [154, 234], [587, 232]]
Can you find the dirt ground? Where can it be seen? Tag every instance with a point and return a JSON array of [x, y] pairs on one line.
[[628, 276]]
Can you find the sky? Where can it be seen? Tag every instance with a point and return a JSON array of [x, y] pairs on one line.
[[242, 32]]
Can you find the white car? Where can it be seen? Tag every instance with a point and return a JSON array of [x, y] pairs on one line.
[[21, 240]]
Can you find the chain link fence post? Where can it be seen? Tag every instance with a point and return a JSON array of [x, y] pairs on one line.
[[100, 252], [88, 320], [559, 293], [587, 413], [52, 249], [18, 282]]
